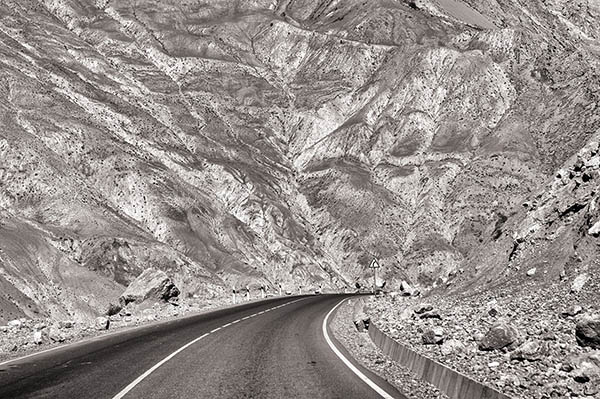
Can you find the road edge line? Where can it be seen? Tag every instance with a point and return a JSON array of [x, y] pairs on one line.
[[349, 364]]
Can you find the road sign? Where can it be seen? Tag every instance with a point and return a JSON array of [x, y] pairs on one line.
[[374, 264]]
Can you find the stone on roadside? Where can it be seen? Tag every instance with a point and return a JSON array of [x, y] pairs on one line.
[[431, 315], [572, 311], [150, 284], [15, 323], [37, 337], [531, 350], [65, 324], [113, 309], [499, 336], [433, 336], [587, 330], [423, 308], [406, 289], [452, 346], [55, 335], [102, 323]]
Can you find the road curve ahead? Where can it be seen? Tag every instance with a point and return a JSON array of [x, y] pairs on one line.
[[269, 349]]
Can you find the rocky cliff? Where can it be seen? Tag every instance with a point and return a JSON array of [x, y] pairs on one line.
[[287, 142]]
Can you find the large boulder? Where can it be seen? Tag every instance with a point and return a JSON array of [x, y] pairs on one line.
[[499, 336], [587, 330], [151, 284]]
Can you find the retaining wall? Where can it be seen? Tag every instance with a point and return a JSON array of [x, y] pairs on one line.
[[447, 380]]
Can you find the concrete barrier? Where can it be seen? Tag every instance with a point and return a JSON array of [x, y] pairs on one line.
[[447, 380]]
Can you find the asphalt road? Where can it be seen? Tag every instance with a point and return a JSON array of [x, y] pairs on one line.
[[280, 353]]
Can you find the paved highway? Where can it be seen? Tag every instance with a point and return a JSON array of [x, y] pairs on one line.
[[271, 349]]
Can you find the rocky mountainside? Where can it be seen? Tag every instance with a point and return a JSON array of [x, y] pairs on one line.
[[233, 143]]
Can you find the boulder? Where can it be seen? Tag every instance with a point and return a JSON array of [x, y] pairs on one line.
[[531, 272], [433, 336], [499, 336], [55, 335], [579, 282], [452, 346], [15, 323], [587, 330], [151, 284], [423, 308], [113, 309], [102, 323], [531, 350], [37, 337], [406, 289]]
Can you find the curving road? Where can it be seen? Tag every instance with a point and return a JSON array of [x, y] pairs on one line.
[[269, 349]]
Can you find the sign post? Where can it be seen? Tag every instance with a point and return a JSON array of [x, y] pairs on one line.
[[374, 265]]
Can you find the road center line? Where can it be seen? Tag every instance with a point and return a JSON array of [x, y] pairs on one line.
[[129, 387], [349, 364]]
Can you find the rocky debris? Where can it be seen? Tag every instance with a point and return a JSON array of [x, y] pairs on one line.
[[539, 368], [150, 284], [499, 336], [579, 282], [587, 330], [572, 311], [530, 350], [102, 323], [433, 336]]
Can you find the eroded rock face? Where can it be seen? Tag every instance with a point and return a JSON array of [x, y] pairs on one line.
[[151, 284], [174, 142]]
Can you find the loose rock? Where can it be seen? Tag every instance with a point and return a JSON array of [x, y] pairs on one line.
[[433, 336], [587, 330], [499, 336]]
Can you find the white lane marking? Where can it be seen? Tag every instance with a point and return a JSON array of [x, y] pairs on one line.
[[339, 354], [226, 325], [157, 365], [129, 387]]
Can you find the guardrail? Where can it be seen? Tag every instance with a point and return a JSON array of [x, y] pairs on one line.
[[447, 380]]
